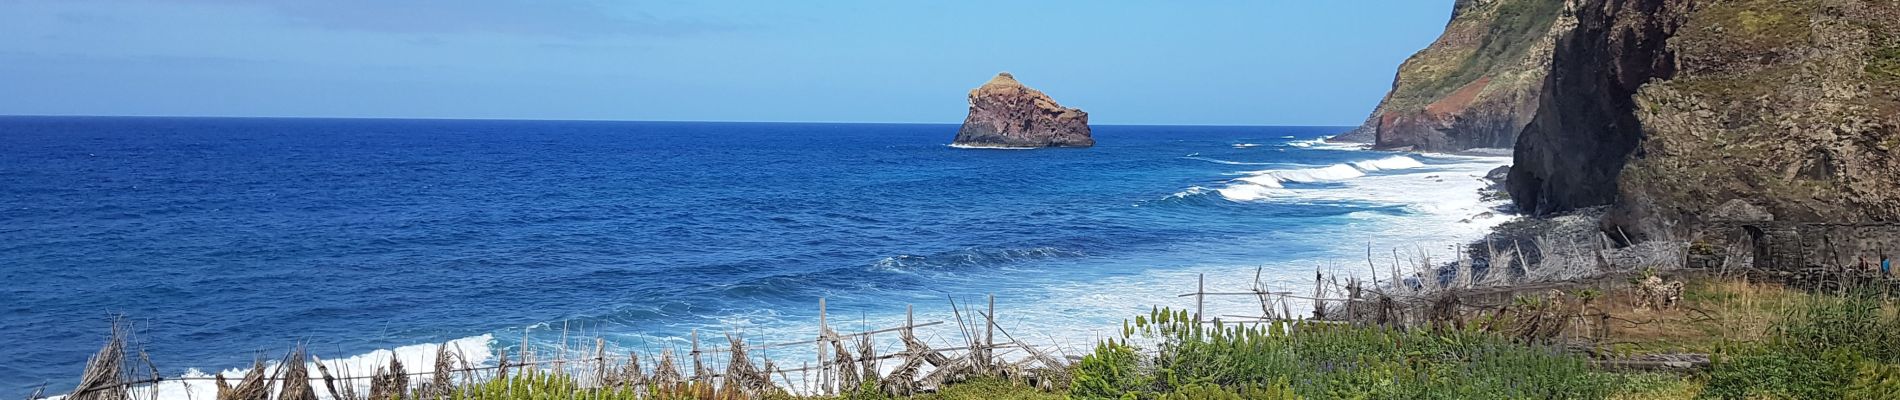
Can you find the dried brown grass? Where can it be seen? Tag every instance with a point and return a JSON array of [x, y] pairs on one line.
[[103, 377]]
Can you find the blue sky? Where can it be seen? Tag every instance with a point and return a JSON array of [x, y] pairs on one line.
[[1279, 62]]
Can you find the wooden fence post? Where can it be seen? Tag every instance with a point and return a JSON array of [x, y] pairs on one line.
[[698, 369], [989, 337], [1200, 298], [824, 365]]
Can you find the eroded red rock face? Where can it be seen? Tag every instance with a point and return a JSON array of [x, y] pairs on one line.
[[1004, 113]]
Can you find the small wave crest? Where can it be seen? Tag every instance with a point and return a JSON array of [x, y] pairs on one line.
[[1259, 185], [1321, 143], [1189, 192], [1225, 162], [970, 257], [1388, 163]]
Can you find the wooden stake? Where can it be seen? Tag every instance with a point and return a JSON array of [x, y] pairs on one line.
[[1200, 298], [1374, 268], [698, 369], [824, 366], [989, 336]]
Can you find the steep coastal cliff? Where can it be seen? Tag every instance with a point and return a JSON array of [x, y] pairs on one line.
[[1476, 86], [1004, 113], [1682, 112]]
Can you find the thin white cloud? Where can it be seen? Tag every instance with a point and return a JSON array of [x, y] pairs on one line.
[[575, 19]]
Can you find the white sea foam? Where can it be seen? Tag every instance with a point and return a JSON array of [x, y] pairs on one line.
[[475, 350], [1321, 143], [1334, 172], [1245, 145], [1413, 203], [1246, 192], [1257, 184], [1220, 161], [990, 147], [1416, 203], [1388, 163], [1190, 191]]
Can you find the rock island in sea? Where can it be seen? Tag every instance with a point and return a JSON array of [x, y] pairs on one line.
[[1006, 114]]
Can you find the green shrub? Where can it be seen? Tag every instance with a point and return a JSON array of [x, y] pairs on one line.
[[1823, 347], [1111, 372], [1884, 62], [1764, 372], [1328, 361], [1875, 381], [1279, 391]]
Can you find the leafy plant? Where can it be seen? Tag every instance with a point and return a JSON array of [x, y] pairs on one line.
[[1112, 371], [1823, 347], [1216, 361]]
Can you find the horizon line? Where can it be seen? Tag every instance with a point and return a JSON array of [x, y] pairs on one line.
[[591, 120]]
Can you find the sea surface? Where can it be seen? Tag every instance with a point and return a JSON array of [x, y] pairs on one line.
[[223, 240]]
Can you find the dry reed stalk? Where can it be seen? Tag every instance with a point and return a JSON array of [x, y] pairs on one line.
[[103, 378], [665, 375], [254, 385], [296, 384], [389, 382], [867, 358], [956, 370], [848, 378], [329, 382], [902, 381], [741, 375], [632, 375], [501, 366], [441, 378]]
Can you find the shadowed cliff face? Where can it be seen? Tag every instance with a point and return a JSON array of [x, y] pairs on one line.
[[1476, 86], [1570, 154], [1004, 113], [1682, 112]]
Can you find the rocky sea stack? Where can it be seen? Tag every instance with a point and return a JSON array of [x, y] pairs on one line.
[[1006, 114]]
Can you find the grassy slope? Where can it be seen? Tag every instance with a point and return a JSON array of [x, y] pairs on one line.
[[1504, 33], [1732, 318]]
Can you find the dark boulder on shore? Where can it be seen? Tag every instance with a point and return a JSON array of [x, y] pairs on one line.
[[1006, 114], [1498, 175]]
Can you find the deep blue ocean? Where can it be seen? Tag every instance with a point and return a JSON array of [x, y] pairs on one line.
[[222, 239]]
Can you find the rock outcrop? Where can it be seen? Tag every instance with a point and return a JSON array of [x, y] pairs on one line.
[[1478, 85], [1674, 112], [1004, 113]]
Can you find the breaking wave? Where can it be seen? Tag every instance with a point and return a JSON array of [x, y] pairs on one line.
[[1220, 161], [970, 257], [1262, 184]]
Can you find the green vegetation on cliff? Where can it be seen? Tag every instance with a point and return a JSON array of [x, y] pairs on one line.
[[1787, 105], [1675, 112], [1506, 32], [1477, 85]]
